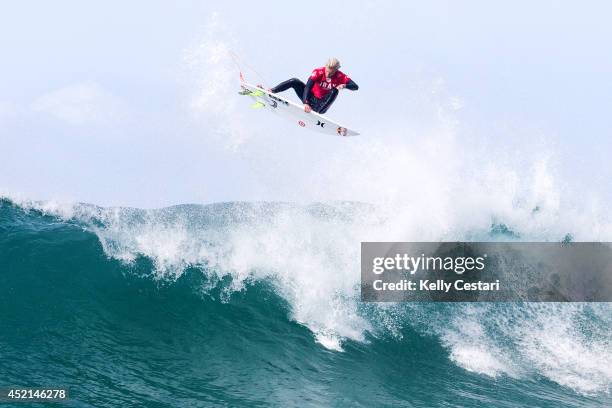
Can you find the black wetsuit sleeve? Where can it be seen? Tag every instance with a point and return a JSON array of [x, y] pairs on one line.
[[307, 90], [352, 85]]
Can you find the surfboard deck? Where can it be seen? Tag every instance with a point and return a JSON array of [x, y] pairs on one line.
[[294, 112]]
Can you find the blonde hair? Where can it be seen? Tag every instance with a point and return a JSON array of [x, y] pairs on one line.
[[333, 63]]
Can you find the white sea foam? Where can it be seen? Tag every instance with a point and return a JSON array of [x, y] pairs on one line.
[[472, 347], [566, 348], [212, 77], [311, 254], [561, 342]]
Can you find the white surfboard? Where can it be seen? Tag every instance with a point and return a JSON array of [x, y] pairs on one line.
[[294, 112]]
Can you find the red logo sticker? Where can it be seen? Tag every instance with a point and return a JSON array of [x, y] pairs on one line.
[[302, 124]]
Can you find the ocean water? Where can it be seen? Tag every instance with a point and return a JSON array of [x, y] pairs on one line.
[[257, 304]]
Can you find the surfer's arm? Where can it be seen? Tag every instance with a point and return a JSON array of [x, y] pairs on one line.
[[352, 85], [349, 84], [307, 89]]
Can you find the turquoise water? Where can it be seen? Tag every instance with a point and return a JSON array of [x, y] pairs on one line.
[[256, 305]]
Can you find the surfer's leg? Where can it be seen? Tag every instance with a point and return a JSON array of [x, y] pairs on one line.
[[296, 84], [327, 102]]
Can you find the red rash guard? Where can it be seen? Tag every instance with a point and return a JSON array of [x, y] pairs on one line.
[[323, 85]]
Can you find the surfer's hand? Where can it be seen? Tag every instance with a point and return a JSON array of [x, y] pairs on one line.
[[341, 86], [307, 108]]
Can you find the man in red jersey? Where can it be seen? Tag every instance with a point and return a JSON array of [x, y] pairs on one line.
[[322, 87]]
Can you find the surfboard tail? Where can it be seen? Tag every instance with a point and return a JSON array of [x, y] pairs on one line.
[[248, 92]]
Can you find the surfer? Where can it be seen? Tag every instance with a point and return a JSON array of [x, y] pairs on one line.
[[322, 87]]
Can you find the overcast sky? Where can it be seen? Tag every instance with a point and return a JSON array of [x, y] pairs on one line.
[[135, 103]]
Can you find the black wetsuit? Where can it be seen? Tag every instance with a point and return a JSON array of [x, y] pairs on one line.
[[303, 91]]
